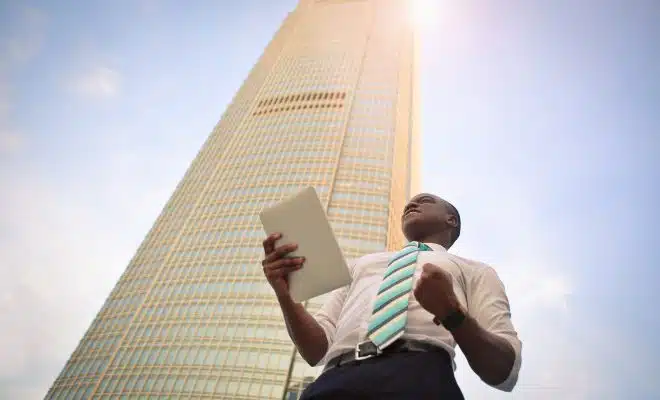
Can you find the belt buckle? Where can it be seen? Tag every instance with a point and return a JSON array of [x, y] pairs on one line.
[[365, 350]]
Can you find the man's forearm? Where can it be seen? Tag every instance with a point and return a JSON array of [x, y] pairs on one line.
[[489, 355], [304, 330]]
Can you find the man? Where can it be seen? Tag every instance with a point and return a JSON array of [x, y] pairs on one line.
[[391, 333]]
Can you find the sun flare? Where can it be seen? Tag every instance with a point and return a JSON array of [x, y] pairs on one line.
[[424, 13]]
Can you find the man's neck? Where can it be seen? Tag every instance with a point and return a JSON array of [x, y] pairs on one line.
[[439, 239]]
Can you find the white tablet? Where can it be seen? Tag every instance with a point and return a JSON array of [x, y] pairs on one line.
[[302, 220]]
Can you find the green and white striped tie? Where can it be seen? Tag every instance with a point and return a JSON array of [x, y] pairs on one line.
[[389, 316]]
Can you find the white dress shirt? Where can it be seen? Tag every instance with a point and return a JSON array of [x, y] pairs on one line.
[[345, 315]]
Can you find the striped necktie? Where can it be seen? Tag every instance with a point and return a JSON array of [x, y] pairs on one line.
[[389, 316]]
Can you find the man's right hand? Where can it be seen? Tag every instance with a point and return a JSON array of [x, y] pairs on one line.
[[277, 266], [305, 331]]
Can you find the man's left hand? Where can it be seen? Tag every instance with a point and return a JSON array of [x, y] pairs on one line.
[[435, 291]]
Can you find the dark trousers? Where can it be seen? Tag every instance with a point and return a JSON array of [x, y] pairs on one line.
[[396, 376]]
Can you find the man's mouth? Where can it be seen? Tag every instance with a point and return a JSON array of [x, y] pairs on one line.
[[407, 213]]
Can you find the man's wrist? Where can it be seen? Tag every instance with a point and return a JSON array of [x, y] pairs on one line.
[[452, 319], [285, 299]]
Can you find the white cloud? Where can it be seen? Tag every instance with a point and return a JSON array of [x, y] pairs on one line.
[[63, 247], [98, 82], [5, 103], [543, 289], [21, 45], [25, 41], [10, 142], [36, 269], [501, 228], [148, 6]]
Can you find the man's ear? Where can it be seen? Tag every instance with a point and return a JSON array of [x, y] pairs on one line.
[[452, 220]]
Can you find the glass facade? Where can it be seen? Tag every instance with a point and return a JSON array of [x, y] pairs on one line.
[[331, 103]]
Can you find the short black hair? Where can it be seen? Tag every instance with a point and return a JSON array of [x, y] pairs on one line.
[[456, 232]]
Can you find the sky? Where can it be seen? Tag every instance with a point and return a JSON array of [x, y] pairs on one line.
[[541, 123]]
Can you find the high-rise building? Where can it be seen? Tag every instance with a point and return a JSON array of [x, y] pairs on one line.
[[331, 103]]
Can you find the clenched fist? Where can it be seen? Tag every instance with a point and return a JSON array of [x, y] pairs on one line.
[[435, 291]]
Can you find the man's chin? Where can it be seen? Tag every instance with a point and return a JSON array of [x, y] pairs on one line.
[[412, 229]]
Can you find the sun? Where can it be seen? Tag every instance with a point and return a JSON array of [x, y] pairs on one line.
[[424, 13]]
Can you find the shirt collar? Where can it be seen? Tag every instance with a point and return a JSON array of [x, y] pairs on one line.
[[436, 247]]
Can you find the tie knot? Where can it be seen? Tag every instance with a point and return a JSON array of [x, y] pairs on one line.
[[420, 246]]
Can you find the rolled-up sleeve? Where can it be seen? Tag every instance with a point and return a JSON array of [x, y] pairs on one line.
[[488, 304], [328, 314]]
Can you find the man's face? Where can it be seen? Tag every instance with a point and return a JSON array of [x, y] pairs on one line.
[[425, 215]]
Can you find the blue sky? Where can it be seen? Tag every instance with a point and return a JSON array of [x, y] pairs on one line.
[[540, 123]]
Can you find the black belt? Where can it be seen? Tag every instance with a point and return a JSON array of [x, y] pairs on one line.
[[367, 350]]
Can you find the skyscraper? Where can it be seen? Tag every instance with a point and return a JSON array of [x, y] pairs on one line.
[[331, 103]]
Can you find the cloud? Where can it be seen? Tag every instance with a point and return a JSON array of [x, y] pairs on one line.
[[5, 103], [25, 39], [20, 46], [542, 289], [148, 7], [10, 142], [64, 241], [55, 262], [568, 352], [26, 305], [98, 82], [500, 222]]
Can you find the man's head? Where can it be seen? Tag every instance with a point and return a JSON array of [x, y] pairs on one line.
[[428, 218]]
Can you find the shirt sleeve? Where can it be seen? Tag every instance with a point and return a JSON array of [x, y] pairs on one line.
[[489, 306], [328, 315]]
